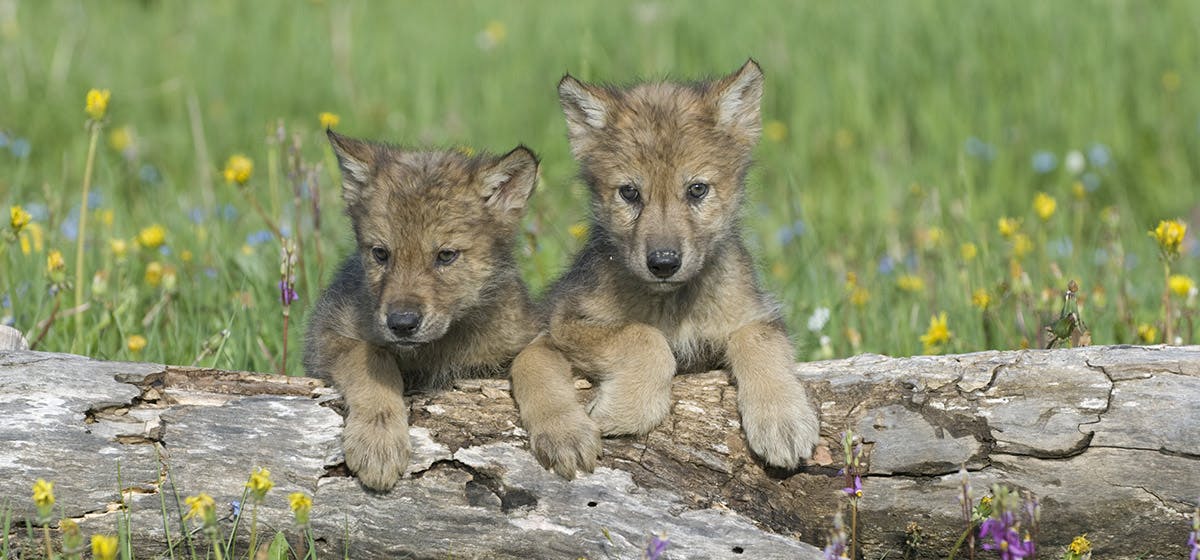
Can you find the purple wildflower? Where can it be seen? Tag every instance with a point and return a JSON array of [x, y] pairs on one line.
[[836, 549], [1194, 536], [1005, 537], [855, 490], [287, 294], [657, 546]]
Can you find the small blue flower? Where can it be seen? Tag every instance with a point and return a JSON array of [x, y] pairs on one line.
[[95, 199], [979, 149], [887, 264], [1100, 257], [149, 174], [789, 233], [235, 508], [196, 215], [3, 140], [1044, 162], [210, 272], [1062, 247], [38, 210], [70, 226], [1099, 155], [6, 302], [229, 212], [20, 148], [259, 237], [1091, 181], [164, 251], [1131, 261]]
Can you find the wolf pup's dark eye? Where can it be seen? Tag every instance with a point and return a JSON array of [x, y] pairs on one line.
[[380, 254], [446, 256], [630, 193], [697, 191]]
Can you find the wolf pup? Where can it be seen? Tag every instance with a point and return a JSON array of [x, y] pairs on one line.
[[431, 294], [664, 282]]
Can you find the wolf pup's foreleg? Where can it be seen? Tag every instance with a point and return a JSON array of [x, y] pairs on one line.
[[634, 366], [561, 435], [781, 425], [375, 438]]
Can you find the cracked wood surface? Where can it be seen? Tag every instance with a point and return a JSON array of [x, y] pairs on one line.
[[1106, 437]]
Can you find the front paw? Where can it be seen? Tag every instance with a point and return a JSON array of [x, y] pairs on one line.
[[376, 450], [631, 413], [566, 443], [781, 426]]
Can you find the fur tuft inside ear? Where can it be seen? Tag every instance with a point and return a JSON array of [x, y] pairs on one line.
[[510, 180], [583, 105], [739, 100], [355, 158]]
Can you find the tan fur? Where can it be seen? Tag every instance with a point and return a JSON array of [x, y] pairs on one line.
[[474, 311], [617, 321]]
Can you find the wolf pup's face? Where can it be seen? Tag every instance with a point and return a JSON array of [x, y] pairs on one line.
[[433, 230], [665, 163]]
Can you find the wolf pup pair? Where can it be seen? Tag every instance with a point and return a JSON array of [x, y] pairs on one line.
[[664, 283]]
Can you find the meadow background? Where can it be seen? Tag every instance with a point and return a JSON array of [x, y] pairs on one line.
[[898, 135]]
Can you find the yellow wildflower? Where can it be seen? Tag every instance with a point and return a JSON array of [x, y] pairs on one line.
[[152, 237], [937, 335], [1080, 545], [186, 256], [859, 296], [154, 274], [1044, 206], [495, 31], [238, 169], [1078, 190], [1181, 285], [107, 217], [968, 251], [301, 506], [981, 299], [43, 494], [32, 239], [260, 483], [97, 103], [1008, 226], [933, 237], [465, 150], [19, 218], [135, 343], [775, 131], [104, 547], [55, 262], [1021, 245], [1147, 333], [844, 139], [120, 138], [247, 249], [578, 230], [1171, 81], [328, 120], [910, 283], [1169, 235], [118, 247], [202, 506]]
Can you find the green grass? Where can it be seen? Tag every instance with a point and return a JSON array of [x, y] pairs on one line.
[[879, 102]]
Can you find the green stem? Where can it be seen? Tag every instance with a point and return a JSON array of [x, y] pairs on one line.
[[82, 234], [254, 529], [1166, 300], [853, 528], [49, 546]]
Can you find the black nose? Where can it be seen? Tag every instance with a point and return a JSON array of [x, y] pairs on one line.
[[403, 323], [663, 263]]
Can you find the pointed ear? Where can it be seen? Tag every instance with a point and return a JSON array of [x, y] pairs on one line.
[[739, 100], [355, 159], [508, 182], [585, 108]]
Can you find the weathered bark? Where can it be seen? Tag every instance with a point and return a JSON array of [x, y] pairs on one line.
[[1106, 437]]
